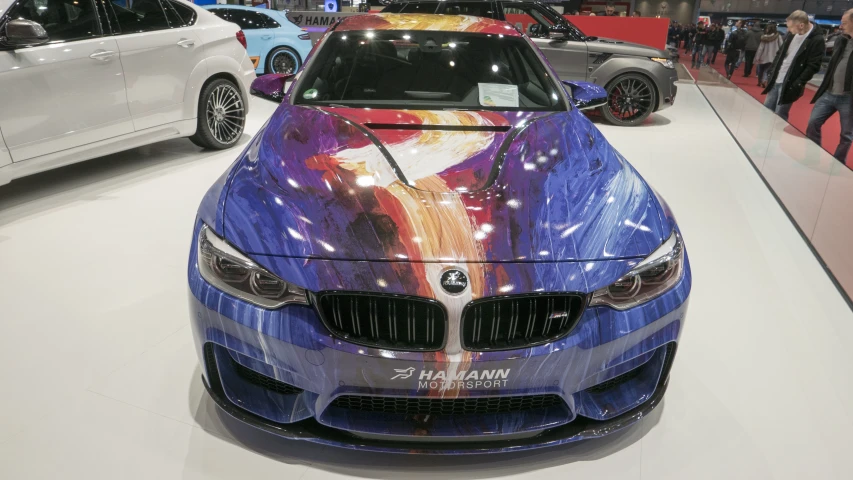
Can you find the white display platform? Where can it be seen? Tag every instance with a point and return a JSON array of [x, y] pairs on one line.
[[100, 379]]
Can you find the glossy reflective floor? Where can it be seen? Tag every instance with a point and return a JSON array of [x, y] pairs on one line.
[[100, 380], [813, 186]]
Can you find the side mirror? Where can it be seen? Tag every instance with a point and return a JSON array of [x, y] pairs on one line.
[[536, 30], [271, 86], [587, 95], [558, 32], [24, 33]]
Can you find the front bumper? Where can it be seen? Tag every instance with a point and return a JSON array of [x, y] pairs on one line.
[[667, 89], [291, 347], [313, 431]]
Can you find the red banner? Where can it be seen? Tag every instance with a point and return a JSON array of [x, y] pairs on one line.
[[645, 31]]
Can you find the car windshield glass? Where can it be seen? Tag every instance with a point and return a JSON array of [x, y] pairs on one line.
[[428, 70]]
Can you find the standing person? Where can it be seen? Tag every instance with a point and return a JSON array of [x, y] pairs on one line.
[[734, 47], [753, 41], [685, 37], [834, 92], [691, 35], [771, 41], [699, 42], [795, 64], [609, 11], [721, 37], [713, 42]]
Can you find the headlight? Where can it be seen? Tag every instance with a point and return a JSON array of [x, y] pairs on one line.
[[651, 278], [663, 61], [230, 271]]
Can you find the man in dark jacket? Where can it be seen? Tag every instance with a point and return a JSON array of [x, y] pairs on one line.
[[834, 94], [796, 63], [689, 32], [734, 46], [753, 40], [715, 39], [609, 11]]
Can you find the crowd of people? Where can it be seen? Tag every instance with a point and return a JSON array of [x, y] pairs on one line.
[[783, 65]]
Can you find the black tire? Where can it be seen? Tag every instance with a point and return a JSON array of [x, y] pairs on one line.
[[631, 98], [283, 60], [221, 115]]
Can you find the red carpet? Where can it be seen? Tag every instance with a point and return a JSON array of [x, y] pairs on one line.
[[800, 112]]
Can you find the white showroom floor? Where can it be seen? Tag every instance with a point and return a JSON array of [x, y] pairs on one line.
[[100, 379]]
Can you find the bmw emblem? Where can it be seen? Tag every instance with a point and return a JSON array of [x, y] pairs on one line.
[[454, 281]]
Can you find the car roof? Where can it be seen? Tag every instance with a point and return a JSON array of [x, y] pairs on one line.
[[419, 21]]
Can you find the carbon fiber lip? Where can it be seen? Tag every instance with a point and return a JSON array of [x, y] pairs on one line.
[[310, 430]]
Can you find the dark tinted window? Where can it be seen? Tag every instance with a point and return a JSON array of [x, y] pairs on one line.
[[419, 7], [178, 14], [251, 20], [270, 22], [64, 20], [477, 9], [429, 70], [542, 15], [140, 15], [519, 15], [222, 13]]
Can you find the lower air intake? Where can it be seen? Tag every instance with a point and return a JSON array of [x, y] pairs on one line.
[[439, 406]]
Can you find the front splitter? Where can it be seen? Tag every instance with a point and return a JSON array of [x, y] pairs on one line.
[[310, 430]]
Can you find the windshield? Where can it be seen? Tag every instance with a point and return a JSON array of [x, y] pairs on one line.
[[428, 70]]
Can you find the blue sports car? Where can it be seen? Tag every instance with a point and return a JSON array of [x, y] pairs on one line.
[[430, 249], [274, 43]]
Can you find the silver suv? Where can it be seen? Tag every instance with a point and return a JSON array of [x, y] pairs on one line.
[[639, 79]]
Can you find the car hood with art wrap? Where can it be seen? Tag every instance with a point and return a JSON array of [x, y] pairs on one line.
[[438, 186]]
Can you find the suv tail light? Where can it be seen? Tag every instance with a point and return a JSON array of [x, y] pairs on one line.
[[241, 37]]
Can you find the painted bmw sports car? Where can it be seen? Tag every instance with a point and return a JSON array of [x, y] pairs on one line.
[[429, 248]]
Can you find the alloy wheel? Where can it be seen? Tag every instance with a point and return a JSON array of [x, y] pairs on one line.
[[284, 62], [225, 114], [630, 99]]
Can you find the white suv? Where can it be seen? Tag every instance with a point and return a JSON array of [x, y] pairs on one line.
[[85, 78]]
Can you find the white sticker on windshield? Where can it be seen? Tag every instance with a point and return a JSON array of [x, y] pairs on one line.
[[498, 95]]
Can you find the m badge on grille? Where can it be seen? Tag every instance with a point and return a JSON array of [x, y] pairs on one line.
[[454, 281]]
